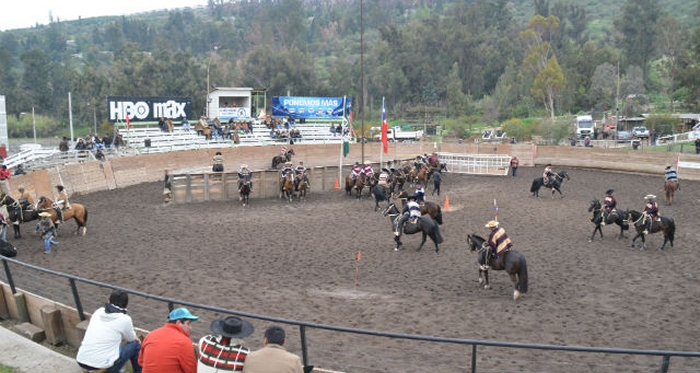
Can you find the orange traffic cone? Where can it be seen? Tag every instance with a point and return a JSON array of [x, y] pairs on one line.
[[447, 204], [337, 186]]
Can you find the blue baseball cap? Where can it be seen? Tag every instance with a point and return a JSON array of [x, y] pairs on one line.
[[182, 314]]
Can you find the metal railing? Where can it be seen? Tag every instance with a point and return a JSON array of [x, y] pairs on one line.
[[53, 278]]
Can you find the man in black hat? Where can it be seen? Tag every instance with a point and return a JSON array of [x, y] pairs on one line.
[[224, 351], [609, 204]]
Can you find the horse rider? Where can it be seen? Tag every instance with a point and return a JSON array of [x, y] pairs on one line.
[[411, 210], [548, 174], [672, 175], [244, 175], [283, 152], [651, 212], [299, 172], [384, 178], [433, 160], [367, 170], [355, 171], [498, 242], [419, 194], [609, 204], [218, 165], [62, 202], [418, 163], [286, 171], [25, 200], [167, 187]]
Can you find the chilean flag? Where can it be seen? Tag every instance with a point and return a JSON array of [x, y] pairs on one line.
[[128, 122], [385, 129]]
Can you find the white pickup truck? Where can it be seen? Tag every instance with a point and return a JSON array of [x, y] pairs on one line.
[[397, 134]]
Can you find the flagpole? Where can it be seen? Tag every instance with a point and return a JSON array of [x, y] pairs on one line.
[[342, 141]]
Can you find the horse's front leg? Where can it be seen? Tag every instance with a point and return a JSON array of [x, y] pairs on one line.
[[397, 239], [486, 280], [596, 229], [15, 228]]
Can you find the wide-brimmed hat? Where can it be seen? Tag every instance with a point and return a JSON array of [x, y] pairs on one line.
[[492, 224], [45, 214], [610, 191], [368, 162], [288, 163], [244, 166], [650, 196], [668, 167], [232, 327], [182, 314]]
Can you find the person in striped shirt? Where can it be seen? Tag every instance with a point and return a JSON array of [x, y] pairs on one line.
[[498, 241]]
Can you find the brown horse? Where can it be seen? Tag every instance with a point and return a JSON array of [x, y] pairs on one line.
[[424, 174], [287, 187], [303, 186], [76, 211], [670, 187]]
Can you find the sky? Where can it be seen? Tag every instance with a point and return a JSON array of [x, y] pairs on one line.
[[16, 14]]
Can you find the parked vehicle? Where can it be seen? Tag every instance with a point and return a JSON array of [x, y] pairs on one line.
[[623, 136], [640, 132], [585, 126]]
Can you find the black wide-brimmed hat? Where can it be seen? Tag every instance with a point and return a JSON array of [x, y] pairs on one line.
[[610, 191], [232, 327]]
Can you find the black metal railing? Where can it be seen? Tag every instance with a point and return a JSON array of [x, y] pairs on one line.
[[470, 365]]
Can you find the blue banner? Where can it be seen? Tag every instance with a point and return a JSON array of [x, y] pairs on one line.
[[310, 107]]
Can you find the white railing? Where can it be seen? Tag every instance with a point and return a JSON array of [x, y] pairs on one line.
[[480, 164]]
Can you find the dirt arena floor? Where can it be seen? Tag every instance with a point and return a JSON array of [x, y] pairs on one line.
[[299, 261]]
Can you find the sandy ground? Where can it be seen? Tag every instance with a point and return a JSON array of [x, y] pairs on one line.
[[299, 261]]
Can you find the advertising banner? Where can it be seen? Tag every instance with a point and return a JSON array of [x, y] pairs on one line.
[[141, 109], [310, 107]]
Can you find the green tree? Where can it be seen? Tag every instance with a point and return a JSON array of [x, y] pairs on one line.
[[636, 25], [548, 83]]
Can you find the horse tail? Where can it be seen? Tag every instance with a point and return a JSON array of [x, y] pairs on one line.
[[438, 217], [438, 235], [85, 216], [535, 186], [671, 231], [522, 275]]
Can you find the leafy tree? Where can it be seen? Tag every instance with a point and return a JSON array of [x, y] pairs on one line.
[[603, 90], [636, 25], [548, 83]]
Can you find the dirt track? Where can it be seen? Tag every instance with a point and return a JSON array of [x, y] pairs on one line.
[[298, 261]]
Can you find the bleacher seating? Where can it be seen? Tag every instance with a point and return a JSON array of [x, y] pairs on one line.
[[136, 137]]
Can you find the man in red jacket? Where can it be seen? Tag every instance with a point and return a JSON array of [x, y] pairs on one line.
[[169, 348]]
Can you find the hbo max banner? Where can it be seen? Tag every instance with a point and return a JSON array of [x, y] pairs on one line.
[[310, 107], [148, 108]]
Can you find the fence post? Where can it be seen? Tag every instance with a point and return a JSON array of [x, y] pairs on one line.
[[76, 297], [304, 349], [474, 358], [665, 362], [9, 277]]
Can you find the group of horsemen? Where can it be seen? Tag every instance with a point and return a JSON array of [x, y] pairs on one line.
[[498, 241], [651, 207], [26, 202]]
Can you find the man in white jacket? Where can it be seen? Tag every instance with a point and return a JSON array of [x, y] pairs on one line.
[[102, 345]]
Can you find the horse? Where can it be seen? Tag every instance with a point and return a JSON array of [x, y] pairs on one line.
[[670, 187], [380, 194], [76, 211], [278, 159], [302, 186], [349, 184], [287, 187], [424, 224], [511, 261], [426, 207], [245, 192], [359, 184], [616, 216], [665, 225], [398, 180], [423, 176], [17, 214], [554, 185]]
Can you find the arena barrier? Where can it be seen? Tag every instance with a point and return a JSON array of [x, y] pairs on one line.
[[480, 164]]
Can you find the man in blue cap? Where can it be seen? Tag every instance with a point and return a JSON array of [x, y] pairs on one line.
[[169, 348]]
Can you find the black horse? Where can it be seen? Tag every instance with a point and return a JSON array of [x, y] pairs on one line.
[[554, 185], [619, 217], [665, 225], [278, 159], [380, 194], [17, 213], [424, 224], [511, 261]]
